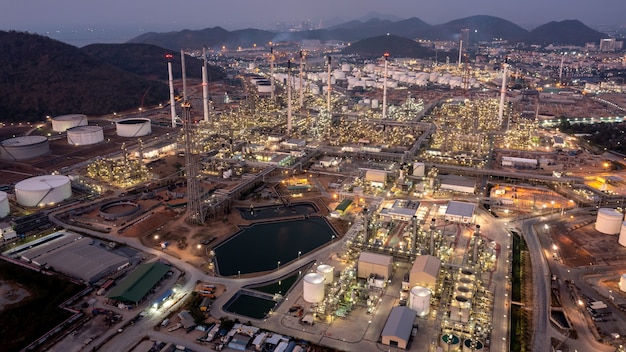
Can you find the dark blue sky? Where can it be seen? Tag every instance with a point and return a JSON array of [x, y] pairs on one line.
[[129, 18]]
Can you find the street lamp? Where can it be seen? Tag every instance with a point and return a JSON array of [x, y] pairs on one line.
[[278, 265], [299, 252]]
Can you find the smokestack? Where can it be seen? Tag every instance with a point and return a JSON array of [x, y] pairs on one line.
[[328, 91], [301, 76], [386, 55], [182, 59], [561, 70], [502, 92], [289, 97], [272, 70], [460, 51], [171, 81], [205, 87]]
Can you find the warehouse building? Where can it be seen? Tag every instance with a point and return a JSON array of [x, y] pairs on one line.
[[397, 330], [425, 272], [374, 263], [136, 286]]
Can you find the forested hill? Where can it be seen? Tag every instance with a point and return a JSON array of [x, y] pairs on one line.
[[40, 76]]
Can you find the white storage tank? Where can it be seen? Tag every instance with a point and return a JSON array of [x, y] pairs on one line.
[[85, 135], [64, 122], [345, 67], [313, 287], [374, 103], [327, 271], [470, 345], [133, 127], [622, 235], [4, 204], [622, 282], [419, 300], [43, 190], [24, 147], [609, 221]]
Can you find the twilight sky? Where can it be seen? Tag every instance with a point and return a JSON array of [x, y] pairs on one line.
[[119, 20]]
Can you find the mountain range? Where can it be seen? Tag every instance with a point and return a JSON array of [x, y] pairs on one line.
[[482, 28], [41, 76]]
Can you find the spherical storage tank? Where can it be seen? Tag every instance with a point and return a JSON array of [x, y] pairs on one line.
[[133, 127], [64, 122], [43, 190], [327, 271], [4, 204], [313, 290], [24, 147], [85, 135], [609, 221], [419, 300]]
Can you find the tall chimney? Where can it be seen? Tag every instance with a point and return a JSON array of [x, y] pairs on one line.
[[171, 81], [205, 87]]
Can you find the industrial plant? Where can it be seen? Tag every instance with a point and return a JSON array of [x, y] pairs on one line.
[[329, 202]]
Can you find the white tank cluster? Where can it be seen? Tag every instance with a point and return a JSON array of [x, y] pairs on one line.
[[43, 190], [133, 127], [327, 271], [24, 147], [622, 235], [65, 122], [4, 204], [419, 300], [313, 287], [85, 135], [609, 221], [460, 308]]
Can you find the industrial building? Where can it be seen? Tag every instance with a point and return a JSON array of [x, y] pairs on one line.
[[374, 263], [136, 286], [425, 272], [460, 212], [397, 330], [457, 184], [75, 256]]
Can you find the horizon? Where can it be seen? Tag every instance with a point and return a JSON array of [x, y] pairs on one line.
[[76, 22]]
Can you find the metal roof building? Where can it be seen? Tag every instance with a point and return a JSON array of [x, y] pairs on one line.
[[460, 212], [137, 284], [397, 330], [425, 271], [374, 263], [76, 256]]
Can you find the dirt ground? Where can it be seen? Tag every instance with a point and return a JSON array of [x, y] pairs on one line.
[[11, 293]]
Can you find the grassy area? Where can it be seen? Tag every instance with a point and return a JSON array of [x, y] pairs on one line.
[[519, 317], [25, 321]]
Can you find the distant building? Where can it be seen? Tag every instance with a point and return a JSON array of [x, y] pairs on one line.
[[610, 44], [465, 36]]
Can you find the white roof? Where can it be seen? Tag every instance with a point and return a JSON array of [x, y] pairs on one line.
[[42, 183], [375, 258], [460, 209], [400, 322]]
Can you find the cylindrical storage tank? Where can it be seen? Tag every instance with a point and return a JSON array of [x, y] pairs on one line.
[[133, 127], [374, 103], [622, 235], [65, 122], [85, 135], [328, 272], [4, 204], [450, 342], [24, 147], [419, 300], [339, 74], [609, 221], [345, 67], [622, 283], [43, 190], [470, 345], [313, 288]]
